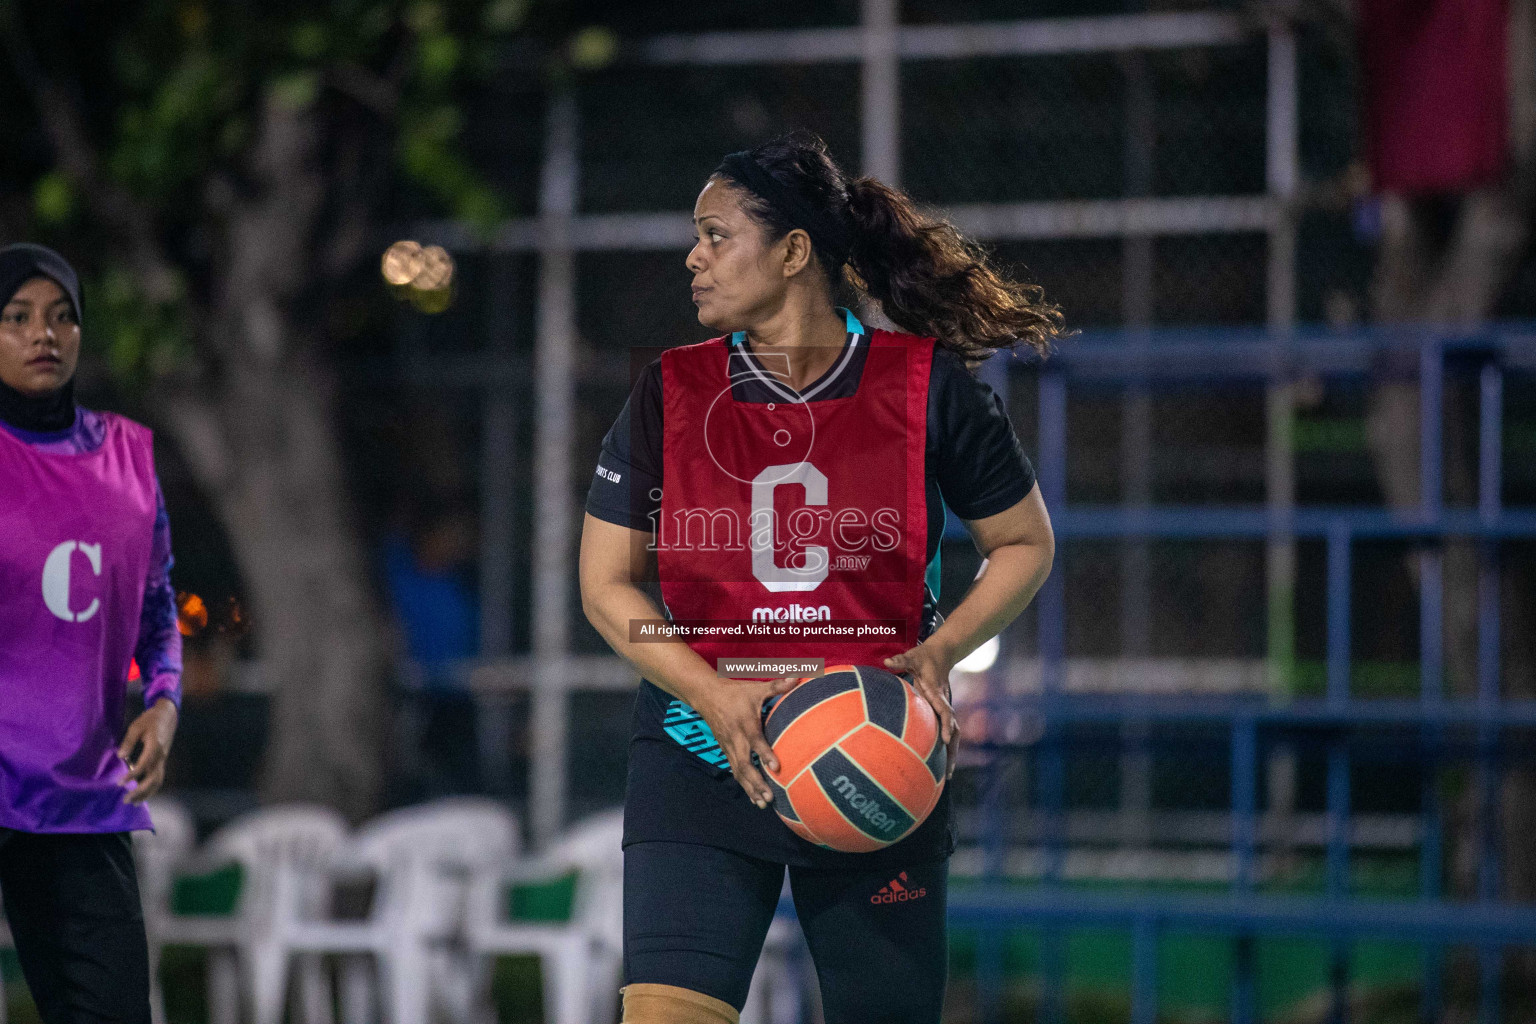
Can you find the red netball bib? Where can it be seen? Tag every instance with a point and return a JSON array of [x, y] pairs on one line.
[[803, 512]]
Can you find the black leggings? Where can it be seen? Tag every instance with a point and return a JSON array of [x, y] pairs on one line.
[[72, 902], [696, 916]]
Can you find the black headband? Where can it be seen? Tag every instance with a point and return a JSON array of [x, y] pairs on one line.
[[831, 237], [21, 262]]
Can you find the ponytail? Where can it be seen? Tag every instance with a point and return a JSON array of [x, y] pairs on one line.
[[931, 280], [927, 277]]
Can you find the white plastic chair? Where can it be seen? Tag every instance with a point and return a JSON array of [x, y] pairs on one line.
[[158, 855], [582, 958], [420, 860], [284, 853]]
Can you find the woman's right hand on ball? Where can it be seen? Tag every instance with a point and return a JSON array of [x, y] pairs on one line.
[[734, 712]]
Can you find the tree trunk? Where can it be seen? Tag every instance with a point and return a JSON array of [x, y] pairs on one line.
[[262, 442], [269, 459]]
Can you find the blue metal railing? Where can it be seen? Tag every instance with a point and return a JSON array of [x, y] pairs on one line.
[[1485, 730]]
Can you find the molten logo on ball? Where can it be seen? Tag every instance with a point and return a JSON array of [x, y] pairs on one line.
[[865, 805]]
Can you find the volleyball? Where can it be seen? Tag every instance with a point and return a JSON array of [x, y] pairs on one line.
[[861, 762]]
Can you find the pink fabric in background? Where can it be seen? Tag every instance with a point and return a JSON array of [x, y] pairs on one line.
[[1434, 88]]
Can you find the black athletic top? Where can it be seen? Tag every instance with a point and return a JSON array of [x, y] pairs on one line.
[[680, 788]]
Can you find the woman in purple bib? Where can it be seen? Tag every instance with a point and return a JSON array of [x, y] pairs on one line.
[[85, 558]]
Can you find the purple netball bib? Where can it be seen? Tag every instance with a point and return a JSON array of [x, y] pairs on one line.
[[75, 533]]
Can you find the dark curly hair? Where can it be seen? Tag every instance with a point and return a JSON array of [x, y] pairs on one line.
[[928, 278]]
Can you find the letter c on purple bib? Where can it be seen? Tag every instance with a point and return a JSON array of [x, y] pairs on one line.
[[56, 573]]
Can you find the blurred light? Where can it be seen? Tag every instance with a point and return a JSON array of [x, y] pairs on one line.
[[431, 302], [436, 271], [982, 658], [191, 614], [593, 48], [420, 274], [133, 670], [235, 616], [504, 15], [402, 262]]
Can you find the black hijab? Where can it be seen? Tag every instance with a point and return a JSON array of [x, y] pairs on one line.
[[19, 264]]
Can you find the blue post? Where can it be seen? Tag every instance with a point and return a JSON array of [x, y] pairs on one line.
[[1432, 622], [1490, 458], [1053, 784], [1490, 1003], [1490, 454], [1053, 969], [1338, 865], [1144, 971], [1052, 761], [1431, 390], [996, 837], [1051, 600], [989, 975], [1052, 480], [1244, 802], [1432, 998], [1245, 999], [1338, 751], [1245, 759], [1052, 471], [1431, 661], [989, 941], [1338, 613]]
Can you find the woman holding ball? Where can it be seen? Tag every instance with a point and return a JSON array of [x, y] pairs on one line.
[[877, 427], [85, 558]]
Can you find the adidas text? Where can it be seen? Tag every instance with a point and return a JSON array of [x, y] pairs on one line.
[[896, 891]]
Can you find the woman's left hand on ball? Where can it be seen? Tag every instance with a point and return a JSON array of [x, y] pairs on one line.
[[928, 671]]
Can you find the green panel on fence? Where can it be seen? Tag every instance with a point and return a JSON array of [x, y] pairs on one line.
[[1195, 970], [1367, 679], [1194, 973]]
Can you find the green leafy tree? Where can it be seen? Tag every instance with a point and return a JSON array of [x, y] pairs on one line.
[[233, 167]]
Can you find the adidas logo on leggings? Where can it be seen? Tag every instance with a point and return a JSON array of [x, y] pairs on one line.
[[896, 891]]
